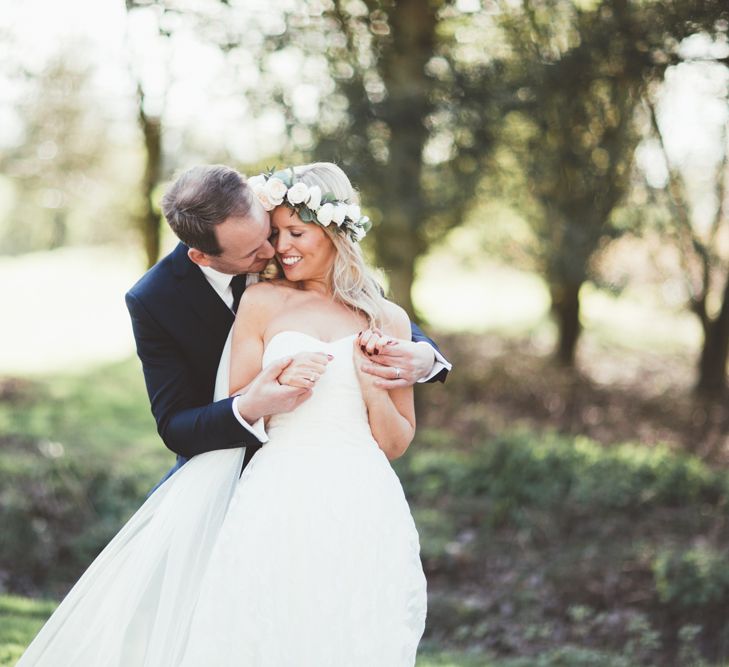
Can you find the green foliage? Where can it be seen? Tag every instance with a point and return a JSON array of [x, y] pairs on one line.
[[572, 523], [57, 514], [580, 72], [557, 473], [409, 115], [67, 179], [573, 656], [694, 579], [79, 454]]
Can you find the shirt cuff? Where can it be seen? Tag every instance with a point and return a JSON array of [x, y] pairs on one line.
[[258, 429], [438, 365]]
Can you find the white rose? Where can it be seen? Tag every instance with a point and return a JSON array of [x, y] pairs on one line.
[[256, 182], [265, 201], [297, 193], [340, 212], [275, 190], [314, 197], [360, 233], [353, 212], [325, 214]]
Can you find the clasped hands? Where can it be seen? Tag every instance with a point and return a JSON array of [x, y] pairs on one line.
[[389, 362], [381, 362]]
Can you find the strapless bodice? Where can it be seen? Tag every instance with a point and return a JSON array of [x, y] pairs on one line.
[[336, 412]]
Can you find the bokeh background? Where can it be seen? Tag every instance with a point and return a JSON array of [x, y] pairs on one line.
[[548, 181]]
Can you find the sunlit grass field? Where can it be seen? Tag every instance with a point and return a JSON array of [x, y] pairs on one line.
[[64, 310]]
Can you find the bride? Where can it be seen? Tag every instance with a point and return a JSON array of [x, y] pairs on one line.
[[311, 558]]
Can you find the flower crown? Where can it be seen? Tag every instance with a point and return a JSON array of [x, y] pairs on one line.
[[276, 188]]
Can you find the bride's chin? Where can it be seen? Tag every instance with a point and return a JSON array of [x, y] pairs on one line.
[[293, 270]]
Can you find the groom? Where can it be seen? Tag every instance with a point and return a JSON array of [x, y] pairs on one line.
[[182, 310]]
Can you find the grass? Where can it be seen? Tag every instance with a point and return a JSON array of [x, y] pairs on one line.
[[100, 412], [66, 309], [21, 618]]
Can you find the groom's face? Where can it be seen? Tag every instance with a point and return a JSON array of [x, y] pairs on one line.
[[244, 242]]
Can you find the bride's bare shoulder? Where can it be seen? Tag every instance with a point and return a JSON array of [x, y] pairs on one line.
[[266, 293]]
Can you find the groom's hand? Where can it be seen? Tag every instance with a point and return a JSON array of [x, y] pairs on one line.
[[266, 396], [395, 362]]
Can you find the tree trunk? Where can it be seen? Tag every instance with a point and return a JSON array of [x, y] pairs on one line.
[[566, 311], [150, 218], [713, 360], [60, 230], [401, 282], [399, 188]]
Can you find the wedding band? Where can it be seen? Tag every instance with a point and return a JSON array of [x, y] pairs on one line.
[[397, 373]]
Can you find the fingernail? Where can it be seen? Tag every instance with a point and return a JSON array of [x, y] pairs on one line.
[[391, 342], [362, 347], [330, 356]]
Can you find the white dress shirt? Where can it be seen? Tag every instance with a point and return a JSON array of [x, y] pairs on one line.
[[438, 365]]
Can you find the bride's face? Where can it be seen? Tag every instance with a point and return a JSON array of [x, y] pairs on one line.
[[303, 249]]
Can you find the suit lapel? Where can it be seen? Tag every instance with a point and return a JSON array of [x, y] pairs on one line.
[[200, 295]]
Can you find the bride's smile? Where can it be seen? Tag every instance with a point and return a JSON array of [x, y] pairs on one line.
[[304, 250]]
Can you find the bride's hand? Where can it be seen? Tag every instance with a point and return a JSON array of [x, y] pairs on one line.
[[393, 362], [367, 381], [373, 341], [305, 369]]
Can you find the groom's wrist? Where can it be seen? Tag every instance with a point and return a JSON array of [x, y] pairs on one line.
[[256, 427], [248, 410]]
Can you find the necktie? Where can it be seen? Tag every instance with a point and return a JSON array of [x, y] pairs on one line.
[[238, 285]]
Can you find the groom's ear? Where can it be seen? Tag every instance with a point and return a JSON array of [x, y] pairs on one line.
[[198, 257]]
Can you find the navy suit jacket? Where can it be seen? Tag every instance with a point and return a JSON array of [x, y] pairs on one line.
[[180, 327]]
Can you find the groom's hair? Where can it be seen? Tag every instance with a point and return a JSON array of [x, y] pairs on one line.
[[201, 198]]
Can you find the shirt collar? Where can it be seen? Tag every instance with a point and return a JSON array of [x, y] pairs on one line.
[[220, 281]]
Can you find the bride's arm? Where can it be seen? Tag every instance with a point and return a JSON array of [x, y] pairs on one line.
[[260, 392], [391, 412], [246, 350]]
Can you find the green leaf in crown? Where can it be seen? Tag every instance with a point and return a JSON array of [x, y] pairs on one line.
[[306, 214], [280, 188]]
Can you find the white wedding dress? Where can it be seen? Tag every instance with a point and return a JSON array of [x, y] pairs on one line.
[[310, 559]]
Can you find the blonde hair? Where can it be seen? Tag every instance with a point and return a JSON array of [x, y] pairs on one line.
[[352, 281]]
